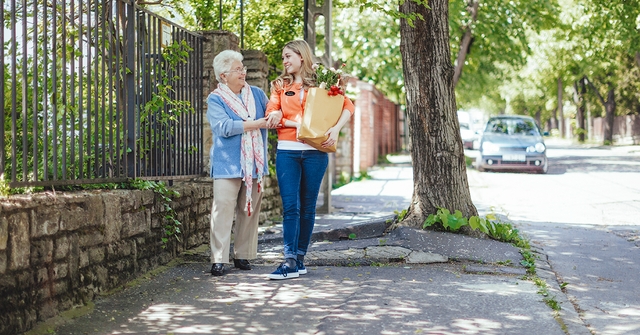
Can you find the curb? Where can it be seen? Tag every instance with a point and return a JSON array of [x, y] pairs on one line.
[[361, 229], [568, 318]]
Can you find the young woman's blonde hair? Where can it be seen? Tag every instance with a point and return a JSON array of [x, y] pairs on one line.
[[307, 73]]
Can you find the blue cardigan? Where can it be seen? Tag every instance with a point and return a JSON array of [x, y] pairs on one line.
[[227, 129]]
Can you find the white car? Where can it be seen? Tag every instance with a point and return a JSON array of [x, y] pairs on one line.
[[468, 136]]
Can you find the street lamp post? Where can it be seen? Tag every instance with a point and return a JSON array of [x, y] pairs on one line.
[[311, 11]]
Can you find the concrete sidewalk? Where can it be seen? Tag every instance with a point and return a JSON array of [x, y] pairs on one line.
[[360, 281]]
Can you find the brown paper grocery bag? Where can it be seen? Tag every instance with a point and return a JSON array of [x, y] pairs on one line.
[[321, 112]]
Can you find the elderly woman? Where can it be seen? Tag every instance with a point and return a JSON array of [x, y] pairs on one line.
[[235, 112]]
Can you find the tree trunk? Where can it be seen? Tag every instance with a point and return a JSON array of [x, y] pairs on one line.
[[610, 109], [439, 170], [583, 110], [578, 99], [553, 120], [465, 42], [561, 125]]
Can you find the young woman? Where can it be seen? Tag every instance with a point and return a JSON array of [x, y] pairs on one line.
[[299, 167]]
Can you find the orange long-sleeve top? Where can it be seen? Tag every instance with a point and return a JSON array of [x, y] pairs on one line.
[[288, 101]]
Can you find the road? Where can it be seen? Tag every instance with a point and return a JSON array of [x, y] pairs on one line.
[[584, 215]]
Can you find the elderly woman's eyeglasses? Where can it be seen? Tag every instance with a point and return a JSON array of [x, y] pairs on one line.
[[242, 70]]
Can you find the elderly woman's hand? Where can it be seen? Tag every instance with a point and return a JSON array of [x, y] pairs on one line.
[[261, 123], [273, 119]]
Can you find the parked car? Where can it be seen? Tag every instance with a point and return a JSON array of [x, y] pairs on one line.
[[512, 143], [468, 136]]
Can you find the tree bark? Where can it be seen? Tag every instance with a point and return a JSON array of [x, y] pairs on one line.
[[610, 110], [578, 99], [538, 115], [439, 169], [561, 125], [465, 42], [581, 114]]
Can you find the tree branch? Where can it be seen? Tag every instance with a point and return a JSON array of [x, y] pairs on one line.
[[576, 94], [472, 8], [595, 90], [157, 2]]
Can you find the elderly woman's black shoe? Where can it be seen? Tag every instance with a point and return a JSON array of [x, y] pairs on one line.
[[242, 264], [217, 269]]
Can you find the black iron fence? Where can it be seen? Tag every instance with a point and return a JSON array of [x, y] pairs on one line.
[[97, 91]]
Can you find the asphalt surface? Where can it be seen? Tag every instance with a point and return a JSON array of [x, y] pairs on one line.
[[359, 282], [582, 215]]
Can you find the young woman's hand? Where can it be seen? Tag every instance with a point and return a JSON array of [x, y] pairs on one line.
[[273, 119], [333, 134], [297, 125]]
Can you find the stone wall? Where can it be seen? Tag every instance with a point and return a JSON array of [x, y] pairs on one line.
[[61, 250]]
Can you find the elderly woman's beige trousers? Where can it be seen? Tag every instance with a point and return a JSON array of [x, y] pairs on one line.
[[228, 199]]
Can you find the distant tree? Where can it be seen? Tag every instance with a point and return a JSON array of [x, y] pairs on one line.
[[490, 40]]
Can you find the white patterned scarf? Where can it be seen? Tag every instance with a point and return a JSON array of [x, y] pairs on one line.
[[252, 146]]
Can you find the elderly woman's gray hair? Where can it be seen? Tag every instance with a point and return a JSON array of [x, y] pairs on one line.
[[222, 62]]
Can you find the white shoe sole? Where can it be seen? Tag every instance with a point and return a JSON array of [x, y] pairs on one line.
[[302, 272], [280, 277]]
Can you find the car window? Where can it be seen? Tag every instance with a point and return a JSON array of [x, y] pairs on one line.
[[512, 127], [497, 126], [525, 127]]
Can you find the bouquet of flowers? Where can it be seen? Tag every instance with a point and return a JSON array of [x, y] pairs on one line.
[[330, 79]]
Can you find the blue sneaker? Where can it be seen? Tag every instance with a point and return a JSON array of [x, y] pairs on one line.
[[301, 269], [284, 272]]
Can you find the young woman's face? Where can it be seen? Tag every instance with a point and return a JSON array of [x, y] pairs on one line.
[[292, 61]]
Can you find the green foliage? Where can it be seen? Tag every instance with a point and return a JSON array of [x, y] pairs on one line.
[[382, 159], [384, 7], [400, 215], [343, 179], [529, 261], [500, 46], [328, 76], [489, 225], [469, 161], [171, 224], [364, 175], [544, 291], [163, 108], [369, 43], [268, 24]]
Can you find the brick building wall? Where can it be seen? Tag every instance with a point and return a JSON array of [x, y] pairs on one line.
[[375, 130]]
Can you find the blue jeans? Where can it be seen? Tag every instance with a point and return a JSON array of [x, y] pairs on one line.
[[300, 174]]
